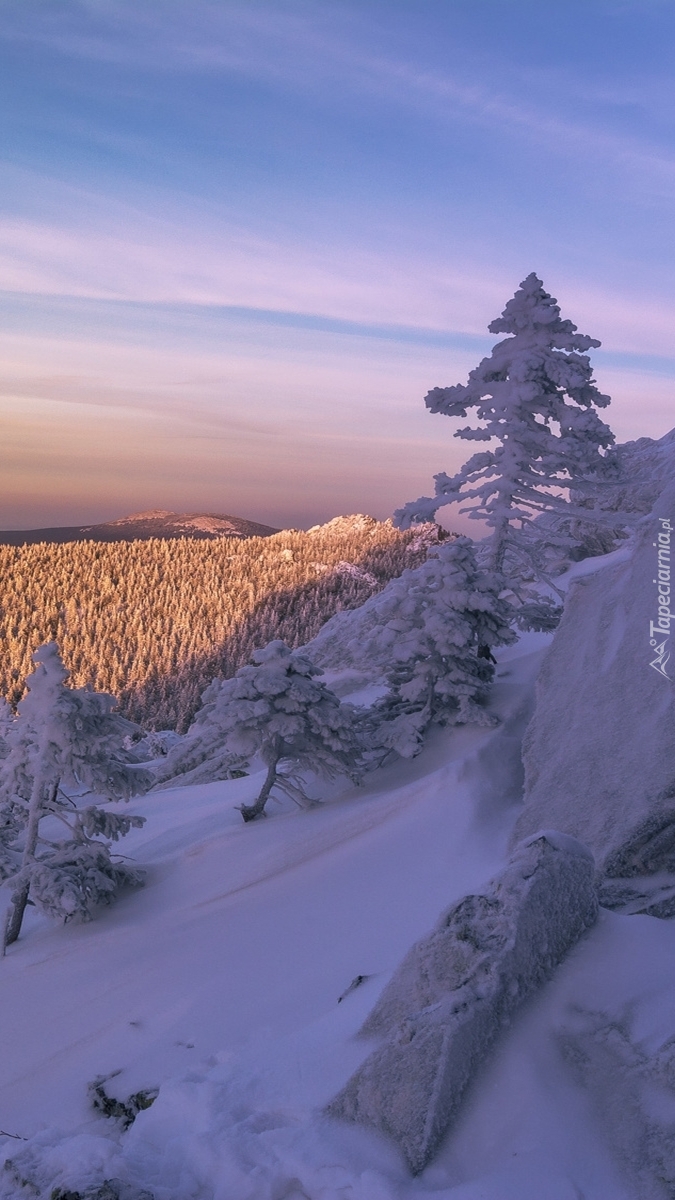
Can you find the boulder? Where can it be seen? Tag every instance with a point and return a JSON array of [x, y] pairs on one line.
[[457, 987]]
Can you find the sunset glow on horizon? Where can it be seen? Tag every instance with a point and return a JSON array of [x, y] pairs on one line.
[[240, 241]]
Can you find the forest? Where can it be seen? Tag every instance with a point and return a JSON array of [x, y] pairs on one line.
[[153, 622]]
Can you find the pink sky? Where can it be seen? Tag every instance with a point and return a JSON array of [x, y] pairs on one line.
[[238, 244]]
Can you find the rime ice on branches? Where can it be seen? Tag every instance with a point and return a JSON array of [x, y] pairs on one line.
[[437, 624], [536, 402], [276, 708], [54, 851]]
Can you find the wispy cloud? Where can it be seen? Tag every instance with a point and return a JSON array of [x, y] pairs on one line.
[[306, 214], [290, 430], [371, 292], [306, 50], [132, 256]]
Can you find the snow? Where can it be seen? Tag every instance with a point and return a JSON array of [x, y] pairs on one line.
[[357, 523], [152, 514], [63, 737], [274, 708], [208, 524], [458, 986], [600, 750], [219, 982]]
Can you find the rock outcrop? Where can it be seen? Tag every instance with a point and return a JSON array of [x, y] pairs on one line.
[[599, 753], [457, 987], [632, 1092]]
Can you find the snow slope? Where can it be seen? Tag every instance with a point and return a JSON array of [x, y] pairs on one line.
[[220, 981]]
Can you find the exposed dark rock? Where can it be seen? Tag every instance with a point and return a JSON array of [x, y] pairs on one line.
[[124, 1111]]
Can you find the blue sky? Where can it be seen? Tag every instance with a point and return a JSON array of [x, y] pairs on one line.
[[239, 242]]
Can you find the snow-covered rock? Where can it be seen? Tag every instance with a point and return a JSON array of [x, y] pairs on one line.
[[646, 467], [600, 751], [631, 1091], [340, 526], [458, 986]]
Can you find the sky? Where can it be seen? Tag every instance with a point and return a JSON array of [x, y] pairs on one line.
[[239, 242]]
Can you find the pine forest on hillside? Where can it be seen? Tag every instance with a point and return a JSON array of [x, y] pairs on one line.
[[154, 622]]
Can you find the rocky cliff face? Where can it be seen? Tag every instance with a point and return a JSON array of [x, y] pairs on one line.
[[599, 753]]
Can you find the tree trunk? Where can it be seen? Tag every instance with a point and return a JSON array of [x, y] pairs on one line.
[[15, 916], [498, 549], [20, 898], [250, 811]]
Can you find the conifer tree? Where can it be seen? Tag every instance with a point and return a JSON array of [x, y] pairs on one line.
[[536, 401], [63, 737], [153, 622], [276, 707], [436, 626]]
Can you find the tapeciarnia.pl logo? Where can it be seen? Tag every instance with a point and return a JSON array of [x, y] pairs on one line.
[[661, 625]]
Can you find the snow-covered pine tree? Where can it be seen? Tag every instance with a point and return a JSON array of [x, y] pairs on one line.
[[63, 738], [275, 707], [536, 398], [438, 624], [6, 719]]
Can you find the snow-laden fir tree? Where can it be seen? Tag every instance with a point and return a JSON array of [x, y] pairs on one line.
[[6, 718], [536, 401], [55, 851], [436, 625], [276, 708]]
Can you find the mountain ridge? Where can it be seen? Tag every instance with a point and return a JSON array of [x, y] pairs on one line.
[[155, 523]]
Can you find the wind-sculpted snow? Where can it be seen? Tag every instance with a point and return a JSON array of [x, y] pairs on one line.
[[600, 751], [457, 988]]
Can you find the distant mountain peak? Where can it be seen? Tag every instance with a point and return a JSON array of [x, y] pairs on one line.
[[359, 523], [155, 523]]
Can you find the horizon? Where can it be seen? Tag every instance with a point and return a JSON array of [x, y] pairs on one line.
[[240, 242], [146, 514]]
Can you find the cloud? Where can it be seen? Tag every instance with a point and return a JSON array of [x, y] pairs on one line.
[[382, 199], [370, 292], [287, 424], [141, 259], [304, 50]]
